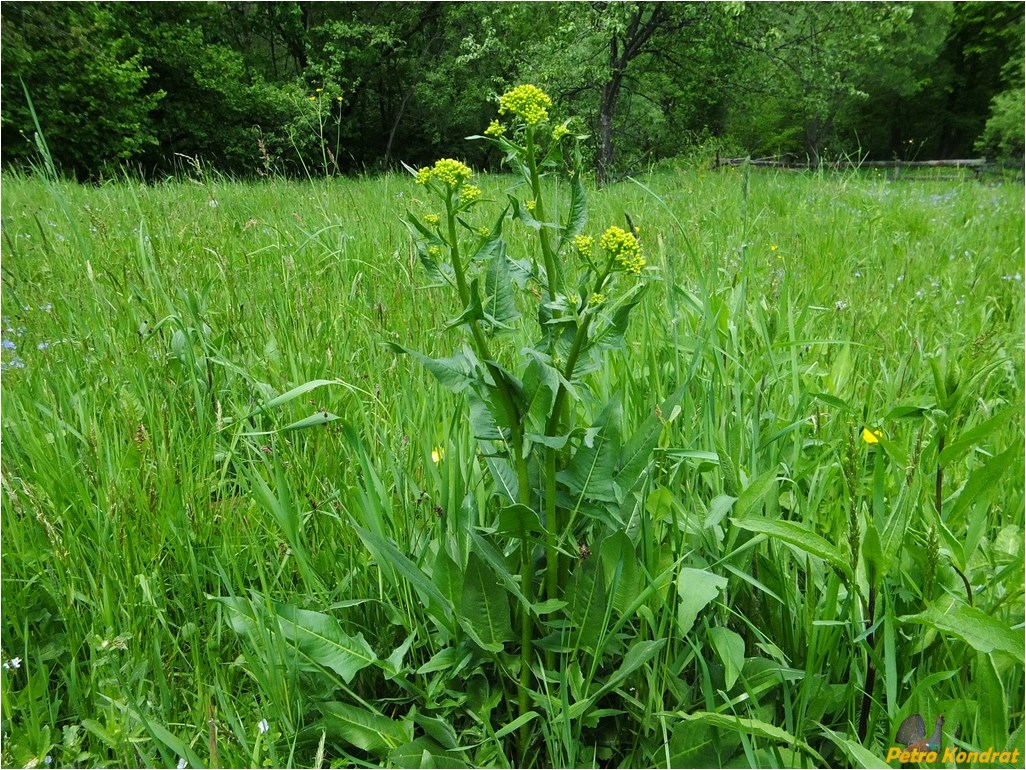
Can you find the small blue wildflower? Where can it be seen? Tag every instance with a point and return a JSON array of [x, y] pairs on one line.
[[42, 346], [263, 727], [8, 344]]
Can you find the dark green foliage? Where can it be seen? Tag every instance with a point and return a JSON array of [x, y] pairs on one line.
[[301, 88]]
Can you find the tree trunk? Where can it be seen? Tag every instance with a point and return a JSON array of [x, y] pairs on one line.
[[607, 108]]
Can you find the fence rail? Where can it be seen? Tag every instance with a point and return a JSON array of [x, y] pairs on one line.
[[976, 165]]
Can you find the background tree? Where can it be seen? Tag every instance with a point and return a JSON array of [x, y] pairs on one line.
[[86, 76], [310, 87]]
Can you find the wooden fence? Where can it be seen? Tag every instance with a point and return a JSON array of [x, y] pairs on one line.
[[976, 165]]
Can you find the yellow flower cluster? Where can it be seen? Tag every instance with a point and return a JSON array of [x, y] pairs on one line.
[[449, 172], [596, 299], [431, 219], [583, 244], [625, 249], [495, 128], [527, 102], [470, 193], [559, 132], [531, 206]]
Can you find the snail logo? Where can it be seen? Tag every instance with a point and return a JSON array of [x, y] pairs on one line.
[[912, 734], [920, 749]]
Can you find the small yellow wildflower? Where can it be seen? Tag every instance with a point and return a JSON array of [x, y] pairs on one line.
[[318, 90], [596, 299], [625, 249], [313, 98], [527, 102], [431, 219], [483, 231], [495, 128], [470, 193], [423, 175], [559, 132], [583, 244], [437, 454], [435, 252], [871, 436], [531, 206]]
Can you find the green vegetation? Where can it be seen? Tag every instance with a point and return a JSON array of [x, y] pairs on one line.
[[241, 529], [296, 88]]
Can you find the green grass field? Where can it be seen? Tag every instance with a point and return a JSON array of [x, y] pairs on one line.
[[202, 565]]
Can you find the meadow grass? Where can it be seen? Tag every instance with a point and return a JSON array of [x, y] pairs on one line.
[[168, 515]]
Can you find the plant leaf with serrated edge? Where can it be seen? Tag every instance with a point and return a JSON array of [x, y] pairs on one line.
[[372, 732], [982, 632], [798, 536], [484, 607]]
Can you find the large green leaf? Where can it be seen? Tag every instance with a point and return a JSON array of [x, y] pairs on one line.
[[620, 564], [798, 536], [448, 577], [319, 639], [484, 609], [730, 648], [367, 730], [750, 501], [424, 752], [590, 472], [982, 632], [754, 727], [578, 214], [499, 305], [694, 744], [455, 373], [586, 597], [696, 589], [991, 710]]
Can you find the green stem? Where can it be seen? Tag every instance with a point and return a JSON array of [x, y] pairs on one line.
[[539, 214], [555, 524], [520, 463]]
